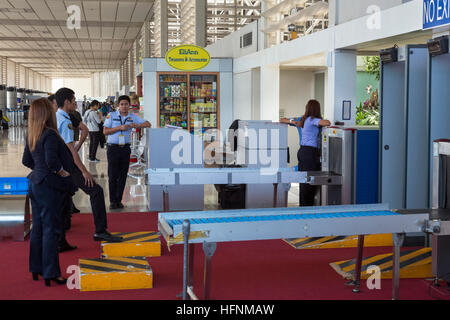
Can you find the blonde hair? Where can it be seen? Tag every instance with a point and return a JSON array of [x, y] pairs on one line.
[[41, 117]]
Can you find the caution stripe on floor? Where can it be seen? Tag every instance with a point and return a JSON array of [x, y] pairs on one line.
[[146, 236], [376, 240], [115, 274], [134, 244], [113, 265], [414, 263]]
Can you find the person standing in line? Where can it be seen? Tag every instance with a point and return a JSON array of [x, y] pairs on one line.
[[76, 118], [50, 180], [93, 121], [77, 124], [83, 179], [309, 153], [118, 127], [104, 109]]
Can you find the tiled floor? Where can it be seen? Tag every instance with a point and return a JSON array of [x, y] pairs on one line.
[[135, 199]]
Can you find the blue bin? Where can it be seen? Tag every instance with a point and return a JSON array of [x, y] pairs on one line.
[[13, 186]]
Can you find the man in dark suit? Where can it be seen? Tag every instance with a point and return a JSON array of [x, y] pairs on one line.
[[78, 126], [83, 179]]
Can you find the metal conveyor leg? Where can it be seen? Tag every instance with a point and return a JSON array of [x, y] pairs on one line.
[[398, 239], [166, 199], [358, 265], [186, 232], [209, 248], [275, 195]]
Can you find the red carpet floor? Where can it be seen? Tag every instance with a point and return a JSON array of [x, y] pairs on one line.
[[255, 270]]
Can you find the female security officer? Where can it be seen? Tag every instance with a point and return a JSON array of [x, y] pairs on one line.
[[118, 126], [309, 156], [48, 157]]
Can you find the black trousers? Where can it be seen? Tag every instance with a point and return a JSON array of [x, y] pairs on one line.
[[46, 210], [102, 136], [308, 160], [118, 165], [94, 138], [97, 198]]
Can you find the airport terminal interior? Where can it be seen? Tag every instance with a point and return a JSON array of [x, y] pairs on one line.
[[296, 149]]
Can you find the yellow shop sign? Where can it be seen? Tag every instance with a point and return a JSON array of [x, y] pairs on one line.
[[188, 58]]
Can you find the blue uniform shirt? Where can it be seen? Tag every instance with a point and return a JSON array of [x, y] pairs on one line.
[[115, 120], [310, 133], [298, 128], [65, 126]]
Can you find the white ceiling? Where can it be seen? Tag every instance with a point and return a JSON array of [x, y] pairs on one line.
[[34, 33]]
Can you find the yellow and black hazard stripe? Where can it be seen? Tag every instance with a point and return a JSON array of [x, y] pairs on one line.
[[134, 244], [315, 242], [414, 263], [115, 274], [375, 240], [114, 265], [146, 236]]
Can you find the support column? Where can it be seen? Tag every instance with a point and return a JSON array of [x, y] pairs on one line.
[[4, 71], [341, 85], [146, 40], [161, 28], [126, 73], [121, 77], [200, 23], [93, 85], [130, 68], [270, 93], [17, 76], [262, 22]]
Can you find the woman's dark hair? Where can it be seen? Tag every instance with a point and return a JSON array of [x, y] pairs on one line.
[[52, 98], [312, 110], [41, 117], [94, 103]]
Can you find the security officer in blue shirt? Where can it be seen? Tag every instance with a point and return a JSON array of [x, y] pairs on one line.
[[118, 127], [83, 179]]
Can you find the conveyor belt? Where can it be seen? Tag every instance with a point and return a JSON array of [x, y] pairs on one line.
[[172, 223], [211, 227], [281, 223]]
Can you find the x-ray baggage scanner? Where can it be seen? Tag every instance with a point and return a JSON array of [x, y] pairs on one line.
[[352, 154]]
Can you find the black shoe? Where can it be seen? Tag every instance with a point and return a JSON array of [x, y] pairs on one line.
[[113, 206], [106, 236], [36, 276], [66, 247], [120, 205], [55, 280]]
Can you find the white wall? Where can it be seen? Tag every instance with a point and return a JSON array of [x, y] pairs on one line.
[[347, 10], [81, 86], [229, 47], [105, 84], [296, 89], [242, 98]]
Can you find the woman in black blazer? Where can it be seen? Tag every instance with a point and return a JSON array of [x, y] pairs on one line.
[[50, 180]]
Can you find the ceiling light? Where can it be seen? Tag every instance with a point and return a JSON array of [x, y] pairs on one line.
[[16, 10]]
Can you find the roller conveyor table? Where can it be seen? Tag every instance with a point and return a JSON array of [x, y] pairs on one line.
[[263, 224]]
